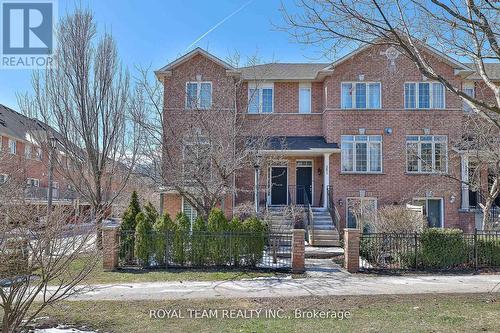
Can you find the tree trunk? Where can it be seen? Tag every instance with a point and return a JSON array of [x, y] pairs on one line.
[[486, 213]]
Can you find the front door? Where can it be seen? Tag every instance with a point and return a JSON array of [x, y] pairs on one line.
[[304, 184], [279, 180], [434, 215]]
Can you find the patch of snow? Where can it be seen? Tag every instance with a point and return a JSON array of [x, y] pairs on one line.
[[61, 329]]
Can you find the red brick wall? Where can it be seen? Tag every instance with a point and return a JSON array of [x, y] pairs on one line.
[[393, 185]]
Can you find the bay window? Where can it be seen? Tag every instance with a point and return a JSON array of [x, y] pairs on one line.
[[424, 95], [426, 154], [361, 153], [361, 95]]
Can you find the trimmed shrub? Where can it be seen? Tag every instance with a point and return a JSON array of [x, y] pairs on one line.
[[237, 241], [181, 239], [199, 251], [218, 226], [163, 228], [254, 244], [143, 239], [128, 228], [488, 251], [151, 213], [442, 248]]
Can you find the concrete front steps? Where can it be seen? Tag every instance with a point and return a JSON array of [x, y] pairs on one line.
[[324, 232]]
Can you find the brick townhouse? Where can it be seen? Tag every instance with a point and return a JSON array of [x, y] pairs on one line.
[[365, 131], [23, 160]]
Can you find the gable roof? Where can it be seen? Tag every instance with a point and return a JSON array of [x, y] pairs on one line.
[[197, 51], [452, 62], [17, 125], [282, 71], [492, 70]]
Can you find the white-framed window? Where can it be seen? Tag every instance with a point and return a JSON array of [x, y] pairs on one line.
[[38, 153], [189, 211], [305, 98], [470, 91], [196, 161], [361, 153], [426, 154], [360, 210], [3, 178], [261, 98], [28, 151], [361, 95], [12, 146], [433, 210], [33, 182], [198, 95], [424, 95]]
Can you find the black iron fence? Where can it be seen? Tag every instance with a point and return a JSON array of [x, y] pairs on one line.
[[430, 251], [246, 250]]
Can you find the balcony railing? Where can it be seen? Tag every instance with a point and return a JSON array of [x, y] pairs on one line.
[[42, 193]]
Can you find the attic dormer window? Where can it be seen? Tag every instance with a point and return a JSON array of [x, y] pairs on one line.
[[198, 95]]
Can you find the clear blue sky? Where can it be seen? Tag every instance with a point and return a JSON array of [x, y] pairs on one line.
[[155, 32]]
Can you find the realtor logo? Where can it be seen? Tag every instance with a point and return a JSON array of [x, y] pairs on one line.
[[27, 33]]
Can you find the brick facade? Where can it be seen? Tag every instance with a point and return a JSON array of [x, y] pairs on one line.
[[327, 119]]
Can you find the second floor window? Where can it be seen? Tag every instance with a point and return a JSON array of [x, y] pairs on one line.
[[361, 95], [260, 99], [424, 95], [28, 151], [12, 146], [361, 153], [305, 98], [197, 165], [198, 95], [426, 154], [469, 90]]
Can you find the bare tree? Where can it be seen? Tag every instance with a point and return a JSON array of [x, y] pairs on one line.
[[45, 259], [85, 97], [200, 150], [465, 29], [481, 144]]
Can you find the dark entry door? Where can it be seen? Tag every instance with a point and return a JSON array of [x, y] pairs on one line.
[[304, 184], [279, 177]]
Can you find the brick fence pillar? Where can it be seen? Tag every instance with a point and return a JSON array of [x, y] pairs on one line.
[[298, 261], [351, 249], [110, 247]]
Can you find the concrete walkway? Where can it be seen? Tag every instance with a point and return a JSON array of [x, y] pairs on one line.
[[340, 284]]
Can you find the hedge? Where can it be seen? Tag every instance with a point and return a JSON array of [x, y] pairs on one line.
[[216, 242], [442, 248]]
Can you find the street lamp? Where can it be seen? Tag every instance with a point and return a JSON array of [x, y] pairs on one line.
[[256, 166], [52, 146]]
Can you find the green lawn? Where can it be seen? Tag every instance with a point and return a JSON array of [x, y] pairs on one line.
[[98, 276], [409, 313]]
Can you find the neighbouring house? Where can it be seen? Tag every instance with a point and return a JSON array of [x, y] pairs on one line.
[[26, 161], [364, 131]]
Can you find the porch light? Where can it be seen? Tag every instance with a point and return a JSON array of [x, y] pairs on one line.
[[319, 171], [256, 165], [341, 203], [452, 198]]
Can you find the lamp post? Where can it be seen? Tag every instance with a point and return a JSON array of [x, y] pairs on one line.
[[52, 146], [256, 166]]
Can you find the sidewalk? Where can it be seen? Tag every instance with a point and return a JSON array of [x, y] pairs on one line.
[[335, 285]]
